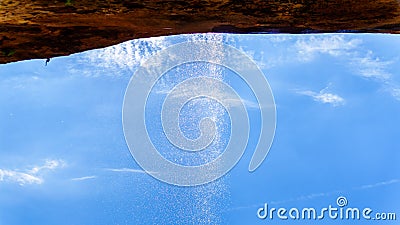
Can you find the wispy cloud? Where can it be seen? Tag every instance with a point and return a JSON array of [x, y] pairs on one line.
[[300, 198], [394, 91], [370, 66], [116, 170], [322, 194], [230, 100], [376, 69], [31, 176], [334, 45], [125, 170], [363, 62], [127, 55], [378, 184], [324, 97], [48, 165], [83, 178], [19, 177]]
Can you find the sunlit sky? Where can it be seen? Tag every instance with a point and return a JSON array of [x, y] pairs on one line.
[[64, 160]]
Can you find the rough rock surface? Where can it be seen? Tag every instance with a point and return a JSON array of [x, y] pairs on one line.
[[47, 28]]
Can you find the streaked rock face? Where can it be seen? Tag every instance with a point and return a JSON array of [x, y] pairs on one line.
[[42, 29]]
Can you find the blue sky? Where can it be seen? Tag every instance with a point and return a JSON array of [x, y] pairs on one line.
[[64, 160]]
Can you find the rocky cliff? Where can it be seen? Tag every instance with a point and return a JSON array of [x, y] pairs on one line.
[[47, 28]]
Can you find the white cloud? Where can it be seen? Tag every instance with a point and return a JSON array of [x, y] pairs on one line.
[[32, 176], [83, 178], [318, 195], [126, 170], [49, 165], [369, 66], [130, 54], [110, 61], [230, 101], [300, 198], [116, 170], [307, 48], [395, 92], [334, 45], [376, 69], [126, 55], [364, 63], [261, 60], [324, 97], [234, 102], [19, 177], [383, 183]]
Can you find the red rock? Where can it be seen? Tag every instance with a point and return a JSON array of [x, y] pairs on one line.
[[42, 29]]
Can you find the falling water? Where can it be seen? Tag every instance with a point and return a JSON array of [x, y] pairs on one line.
[[206, 195], [161, 203], [200, 204]]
